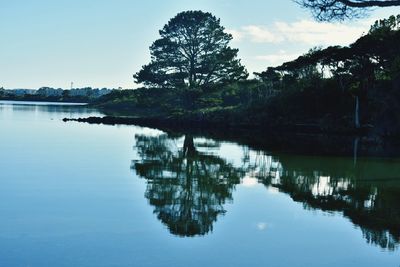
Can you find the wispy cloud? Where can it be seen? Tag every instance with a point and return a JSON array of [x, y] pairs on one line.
[[262, 226], [303, 32], [278, 58], [259, 34]]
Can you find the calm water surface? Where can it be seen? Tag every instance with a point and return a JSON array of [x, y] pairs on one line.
[[75, 194]]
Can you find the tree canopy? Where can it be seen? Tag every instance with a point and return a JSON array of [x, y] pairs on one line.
[[327, 10], [366, 70], [193, 51]]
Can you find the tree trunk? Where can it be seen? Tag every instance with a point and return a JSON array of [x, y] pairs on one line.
[[192, 74], [188, 146], [357, 113]]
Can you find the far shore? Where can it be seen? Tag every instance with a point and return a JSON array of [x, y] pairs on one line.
[[42, 102]]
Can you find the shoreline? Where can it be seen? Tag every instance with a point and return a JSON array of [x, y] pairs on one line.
[[282, 140]]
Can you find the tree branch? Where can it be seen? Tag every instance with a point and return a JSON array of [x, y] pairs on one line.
[[371, 3]]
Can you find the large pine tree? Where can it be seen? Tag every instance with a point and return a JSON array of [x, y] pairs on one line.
[[193, 51]]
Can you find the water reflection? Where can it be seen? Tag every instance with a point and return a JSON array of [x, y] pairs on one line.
[[189, 180], [367, 193], [54, 108], [187, 187], [40, 109]]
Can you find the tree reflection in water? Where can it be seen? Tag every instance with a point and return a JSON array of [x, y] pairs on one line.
[[367, 193], [188, 187]]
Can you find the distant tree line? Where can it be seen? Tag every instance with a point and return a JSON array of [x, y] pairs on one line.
[[86, 94]]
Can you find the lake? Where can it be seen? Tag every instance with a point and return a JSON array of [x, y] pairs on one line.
[[77, 194]]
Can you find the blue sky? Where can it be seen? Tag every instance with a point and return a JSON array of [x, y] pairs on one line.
[[102, 43]]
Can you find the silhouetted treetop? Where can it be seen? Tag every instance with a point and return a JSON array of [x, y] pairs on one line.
[[327, 10]]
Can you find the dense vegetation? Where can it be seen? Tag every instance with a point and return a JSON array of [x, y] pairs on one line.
[[336, 89]]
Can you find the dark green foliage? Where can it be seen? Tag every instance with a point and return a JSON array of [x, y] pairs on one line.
[[192, 52], [339, 75], [320, 90]]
